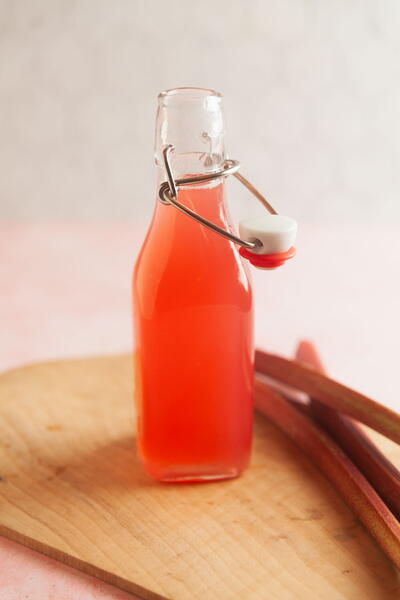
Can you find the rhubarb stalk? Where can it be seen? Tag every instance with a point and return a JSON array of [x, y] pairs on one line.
[[335, 465], [379, 471], [331, 393]]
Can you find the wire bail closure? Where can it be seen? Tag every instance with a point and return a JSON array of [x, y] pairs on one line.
[[168, 194]]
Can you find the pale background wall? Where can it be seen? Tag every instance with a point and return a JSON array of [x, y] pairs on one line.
[[312, 96]]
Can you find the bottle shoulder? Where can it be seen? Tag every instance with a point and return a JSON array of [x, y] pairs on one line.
[[177, 277], [180, 256]]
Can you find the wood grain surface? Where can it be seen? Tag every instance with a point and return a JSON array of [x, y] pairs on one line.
[[71, 487]]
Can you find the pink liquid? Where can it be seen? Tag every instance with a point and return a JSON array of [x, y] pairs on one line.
[[194, 345]]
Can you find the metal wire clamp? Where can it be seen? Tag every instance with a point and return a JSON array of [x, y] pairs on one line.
[[168, 194]]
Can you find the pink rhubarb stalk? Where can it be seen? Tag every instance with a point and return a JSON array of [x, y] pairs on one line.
[[335, 465], [330, 392], [379, 471]]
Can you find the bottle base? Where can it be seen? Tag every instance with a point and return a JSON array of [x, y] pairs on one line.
[[178, 475], [199, 478]]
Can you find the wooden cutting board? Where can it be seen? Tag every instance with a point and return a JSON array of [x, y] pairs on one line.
[[71, 487]]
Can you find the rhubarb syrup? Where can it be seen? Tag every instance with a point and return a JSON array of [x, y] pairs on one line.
[[193, 323]]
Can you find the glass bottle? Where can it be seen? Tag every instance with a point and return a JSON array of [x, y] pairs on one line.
[[193, 312]]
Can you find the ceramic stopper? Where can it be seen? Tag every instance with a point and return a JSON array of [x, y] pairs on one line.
[[277, 233]]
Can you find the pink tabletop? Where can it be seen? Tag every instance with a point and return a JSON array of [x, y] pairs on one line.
[[65, 292]]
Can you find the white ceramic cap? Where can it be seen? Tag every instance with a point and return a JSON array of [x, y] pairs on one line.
[[277, 233]]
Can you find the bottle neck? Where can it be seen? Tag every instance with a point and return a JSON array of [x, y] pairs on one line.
[[191, 120]]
